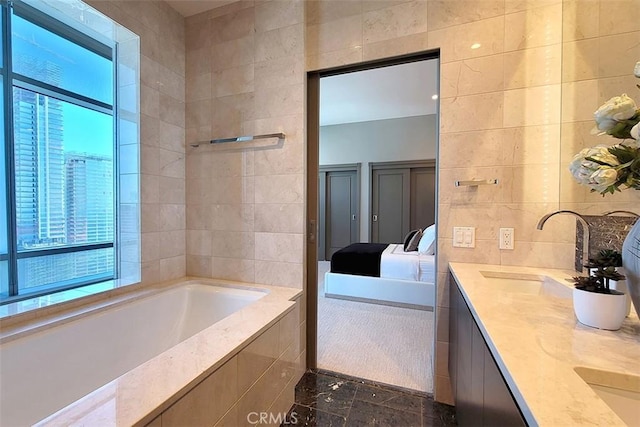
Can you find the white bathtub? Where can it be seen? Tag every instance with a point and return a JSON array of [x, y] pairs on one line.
[[45, 371]]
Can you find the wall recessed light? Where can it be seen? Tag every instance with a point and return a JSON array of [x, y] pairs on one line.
[[475, 45], [434, 97]]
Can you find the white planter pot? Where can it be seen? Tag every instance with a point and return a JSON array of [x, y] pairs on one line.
[[602, 311], [621, 286]]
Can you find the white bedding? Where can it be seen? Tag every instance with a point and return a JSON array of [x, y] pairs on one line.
[[427, 268], [398, 264]]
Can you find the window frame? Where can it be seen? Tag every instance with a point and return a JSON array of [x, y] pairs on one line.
[[11, 79]]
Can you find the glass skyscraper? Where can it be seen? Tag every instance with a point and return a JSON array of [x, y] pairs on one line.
[[39, 160], [62, 198], [89, 198]]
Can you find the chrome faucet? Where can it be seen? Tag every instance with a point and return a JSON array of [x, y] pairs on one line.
[[579, 265]]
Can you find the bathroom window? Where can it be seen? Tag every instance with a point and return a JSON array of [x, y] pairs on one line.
[[58, 156]]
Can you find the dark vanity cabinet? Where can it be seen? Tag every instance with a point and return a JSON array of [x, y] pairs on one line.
[[481, 395]]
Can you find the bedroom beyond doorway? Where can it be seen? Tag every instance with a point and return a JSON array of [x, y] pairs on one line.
[[372, 167], [372, 341]]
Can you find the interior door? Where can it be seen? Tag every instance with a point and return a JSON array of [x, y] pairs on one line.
[[423, 197], [341, 211], [390, 205]]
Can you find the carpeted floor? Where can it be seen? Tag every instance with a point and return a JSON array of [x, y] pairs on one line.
[[386, 344]]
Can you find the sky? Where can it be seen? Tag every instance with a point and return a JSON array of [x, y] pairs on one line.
[[87, 131], [81, 71]]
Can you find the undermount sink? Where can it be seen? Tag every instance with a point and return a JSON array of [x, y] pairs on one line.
[[621, 392], [524, 283]]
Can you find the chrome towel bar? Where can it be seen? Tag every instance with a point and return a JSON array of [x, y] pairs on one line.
[[476, 182], [240, 139]]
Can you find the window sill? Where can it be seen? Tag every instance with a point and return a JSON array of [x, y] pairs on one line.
[[48, 304]]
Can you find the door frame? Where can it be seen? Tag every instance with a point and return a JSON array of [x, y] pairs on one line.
[[311, 175], [395, 164], [322, 208]]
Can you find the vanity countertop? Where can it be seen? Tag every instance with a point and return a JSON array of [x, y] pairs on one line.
[[537, 342]]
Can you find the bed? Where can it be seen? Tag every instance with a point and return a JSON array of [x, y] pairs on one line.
[[382, 274]]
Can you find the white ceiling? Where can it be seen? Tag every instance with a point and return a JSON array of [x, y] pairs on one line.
[[383, 93], [193, 7]]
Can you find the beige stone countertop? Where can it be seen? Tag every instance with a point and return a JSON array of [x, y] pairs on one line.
[[537, 342], [141, 394]]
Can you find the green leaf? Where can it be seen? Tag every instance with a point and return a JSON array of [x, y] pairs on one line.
[[622, 130], [594, 160]]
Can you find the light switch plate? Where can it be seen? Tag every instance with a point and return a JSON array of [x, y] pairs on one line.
[[464, 237]]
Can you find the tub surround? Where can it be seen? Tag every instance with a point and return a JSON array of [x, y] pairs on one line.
[[254, 355], [49, 310], [537, 342], [45, 308]]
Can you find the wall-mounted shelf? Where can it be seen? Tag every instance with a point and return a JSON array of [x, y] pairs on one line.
[[240, 139], [476, 182]]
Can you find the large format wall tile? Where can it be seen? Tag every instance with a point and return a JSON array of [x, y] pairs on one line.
[[534, 27], [471, 40], [396, 21], [162, 132], [472, 76], [245, 202], [444, 13]]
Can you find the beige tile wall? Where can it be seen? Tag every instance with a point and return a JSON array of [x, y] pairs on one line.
[[162, 134], [245, 202], [601, 45]]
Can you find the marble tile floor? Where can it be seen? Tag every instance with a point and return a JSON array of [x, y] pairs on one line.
[[328, 399]]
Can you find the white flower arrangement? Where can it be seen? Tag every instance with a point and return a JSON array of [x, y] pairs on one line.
[[606, 169]]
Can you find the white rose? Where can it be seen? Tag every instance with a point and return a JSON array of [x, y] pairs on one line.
[[586, 171], [602, 154], [636, 70], [603, 178], [616, 109], [635, 131], [581, 168]]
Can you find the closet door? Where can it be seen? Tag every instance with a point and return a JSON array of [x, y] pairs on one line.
[[423, 197], [391, 207], [341, 211]]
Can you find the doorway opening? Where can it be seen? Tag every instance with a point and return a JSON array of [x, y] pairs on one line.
[[371, 183]]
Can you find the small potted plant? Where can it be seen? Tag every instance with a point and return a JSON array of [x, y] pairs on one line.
[[595, 303], [609, 261]]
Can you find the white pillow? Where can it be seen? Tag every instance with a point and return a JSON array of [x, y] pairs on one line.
[[427, 245]]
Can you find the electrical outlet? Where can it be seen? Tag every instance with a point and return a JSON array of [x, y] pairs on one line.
[[506, 238]]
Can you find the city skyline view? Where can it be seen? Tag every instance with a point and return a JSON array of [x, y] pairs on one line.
[[63, 160]]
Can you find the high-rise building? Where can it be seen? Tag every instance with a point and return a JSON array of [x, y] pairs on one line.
[[90, 209], [39, 162], [89, 198]]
